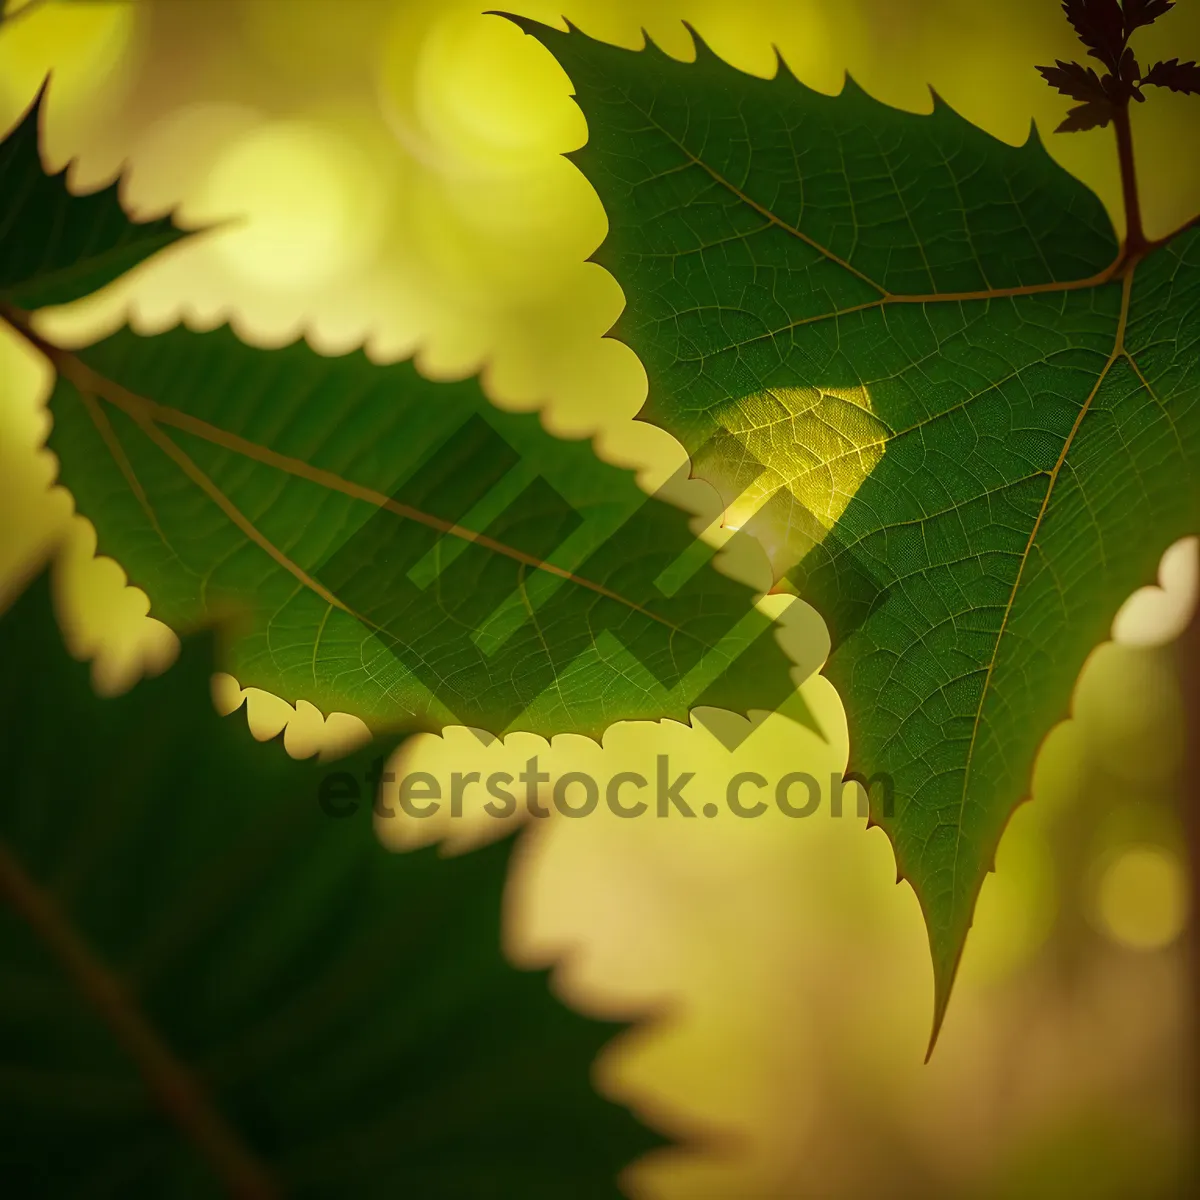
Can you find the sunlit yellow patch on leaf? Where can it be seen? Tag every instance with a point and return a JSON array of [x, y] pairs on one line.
[[822, 443]]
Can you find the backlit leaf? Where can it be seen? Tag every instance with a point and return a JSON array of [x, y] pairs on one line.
[[380, 544], [1023, 420]]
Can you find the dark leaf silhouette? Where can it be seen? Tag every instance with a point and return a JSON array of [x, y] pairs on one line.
[[1179, 77], [1100, 25], [1125, 85], [1093, 115], [1105, 29], [211, 987], [1075, 80], [1144, 12]]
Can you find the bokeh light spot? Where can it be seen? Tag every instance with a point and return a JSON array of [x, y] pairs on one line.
[[485, 87], [303, 204], [1141, 898], [1155, 615]]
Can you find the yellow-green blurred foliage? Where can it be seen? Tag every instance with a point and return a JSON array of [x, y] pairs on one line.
[[396, 169]]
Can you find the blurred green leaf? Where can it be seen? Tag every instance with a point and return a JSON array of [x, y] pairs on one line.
[[213, 987], [55, 246], [376, 542], [834, 283]]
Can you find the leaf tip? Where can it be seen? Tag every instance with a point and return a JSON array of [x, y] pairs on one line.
[[943, 109], [851, 87], [704, 52], [942, 986], [537, 29], [933, 1037], [526, 23], [651, 47], [783, 69]]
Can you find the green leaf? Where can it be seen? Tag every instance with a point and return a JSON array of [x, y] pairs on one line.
[[56, 246], [973, 435], [211, 987], [381, 544]]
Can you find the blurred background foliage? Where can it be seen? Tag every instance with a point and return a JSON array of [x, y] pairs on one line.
[[394, 170]]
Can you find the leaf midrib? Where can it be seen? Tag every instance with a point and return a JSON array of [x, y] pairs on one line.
[[1119, 350], [149, 415]]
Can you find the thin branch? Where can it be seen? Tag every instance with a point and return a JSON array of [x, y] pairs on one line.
[[169, 1081], [1135, 235]]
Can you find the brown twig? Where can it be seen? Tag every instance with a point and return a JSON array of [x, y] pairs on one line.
[[175, 1088], [1136, 244]]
